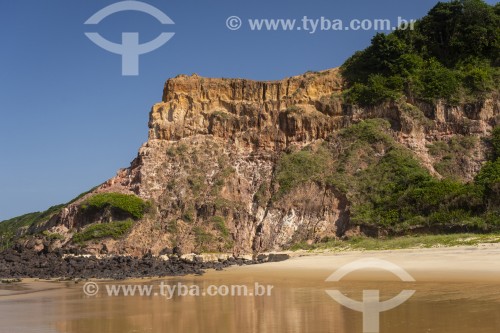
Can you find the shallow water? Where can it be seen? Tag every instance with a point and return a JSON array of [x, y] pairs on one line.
[[298, 303]]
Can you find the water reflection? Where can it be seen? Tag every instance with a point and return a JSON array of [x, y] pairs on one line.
[[297, 304]]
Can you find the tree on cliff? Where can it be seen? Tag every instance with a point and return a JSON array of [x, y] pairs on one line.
[[453, 54]]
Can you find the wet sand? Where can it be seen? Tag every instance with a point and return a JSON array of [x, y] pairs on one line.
[[457, 291]]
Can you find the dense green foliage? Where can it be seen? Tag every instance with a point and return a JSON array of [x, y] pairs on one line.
[[453, 54], [449, 155], [489, 179], [388, 188], [298, 167], [30, 218], [103, 230], [396, 192], [10, 228], [495, 142], [126, 203]]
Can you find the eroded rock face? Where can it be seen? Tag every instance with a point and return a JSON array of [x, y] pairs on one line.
[[248, 113], [208, 166]]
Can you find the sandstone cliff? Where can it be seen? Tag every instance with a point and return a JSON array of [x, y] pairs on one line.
[[209, 165]]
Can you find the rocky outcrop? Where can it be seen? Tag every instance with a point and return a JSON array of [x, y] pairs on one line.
[[209, 165], [248, 113], [26, 263]]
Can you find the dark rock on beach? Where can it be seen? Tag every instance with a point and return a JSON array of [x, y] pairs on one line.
[[23, 263]]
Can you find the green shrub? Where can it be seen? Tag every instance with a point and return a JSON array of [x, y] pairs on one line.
[[370, 131], [489, 174], [127, 203], [223, 115], [449, 155], [377, 90], [438, 82], [52, 236], [294, 109], [103, 230], [196, 183], [189, 215], [220, 224], [203, 239], [172, 227], [299, 167], [379, 188], [478, 76], [495, 142]]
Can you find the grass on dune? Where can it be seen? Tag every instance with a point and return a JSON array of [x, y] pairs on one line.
[[406, 242]]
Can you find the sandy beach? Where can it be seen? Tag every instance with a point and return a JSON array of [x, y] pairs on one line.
[[462, 284], [479, 263]]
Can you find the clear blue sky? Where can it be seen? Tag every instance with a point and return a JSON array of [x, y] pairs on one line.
[[69, 119]]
